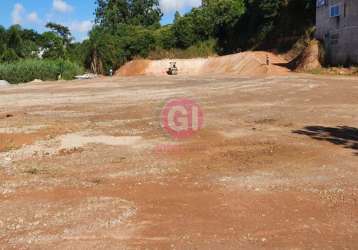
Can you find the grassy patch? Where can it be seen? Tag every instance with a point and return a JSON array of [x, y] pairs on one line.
[[31, 69]]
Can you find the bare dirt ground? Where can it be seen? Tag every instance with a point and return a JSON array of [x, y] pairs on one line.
[[86, 164]]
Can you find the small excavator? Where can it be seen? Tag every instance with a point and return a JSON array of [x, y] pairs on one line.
[[173, 70]]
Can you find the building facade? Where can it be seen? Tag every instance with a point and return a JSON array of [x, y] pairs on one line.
[[337, 28]]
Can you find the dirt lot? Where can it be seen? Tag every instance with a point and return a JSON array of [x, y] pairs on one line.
[[86, 164]]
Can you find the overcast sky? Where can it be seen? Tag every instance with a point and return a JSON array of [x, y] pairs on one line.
[[76, 14]]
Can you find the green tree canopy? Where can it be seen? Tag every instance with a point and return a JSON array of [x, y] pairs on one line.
[[14, 40], [52, 45], [145, 12], [110, 13], [63, 31]]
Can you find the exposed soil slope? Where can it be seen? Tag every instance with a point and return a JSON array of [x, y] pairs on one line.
[[246, 63], [309, 59]]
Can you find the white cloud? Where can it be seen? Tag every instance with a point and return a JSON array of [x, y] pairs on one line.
[[169, 6], [33, 17], [17, 13], [81, 26], [61, 6]]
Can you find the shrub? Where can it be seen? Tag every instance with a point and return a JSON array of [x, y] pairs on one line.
[[165, 37], [30, 69], [200, 49]]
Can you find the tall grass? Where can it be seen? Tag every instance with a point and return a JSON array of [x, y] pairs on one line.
[[31, 69]]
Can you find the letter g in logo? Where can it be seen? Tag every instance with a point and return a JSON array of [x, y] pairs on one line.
[[181, 118]]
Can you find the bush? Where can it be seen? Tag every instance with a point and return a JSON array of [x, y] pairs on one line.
[[30, 69], [165, 37], [9, 56], [200, 49]]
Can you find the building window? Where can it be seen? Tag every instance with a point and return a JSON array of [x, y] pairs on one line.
[[334, 11]]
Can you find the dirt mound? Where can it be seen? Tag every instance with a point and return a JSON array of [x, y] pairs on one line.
[[309, 59], [247, 63], [135, 67]]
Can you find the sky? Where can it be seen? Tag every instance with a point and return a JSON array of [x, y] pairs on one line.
[[76, 14]]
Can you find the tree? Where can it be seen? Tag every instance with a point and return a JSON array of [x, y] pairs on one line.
[[111, 50], [145, 13], [63, 31], [15, 41], [193, 27], [177, 16], [52, 46], [111, 13], [2, 39], [9, 55], [30, 35], [2, 35], [2, 50], [140, 43], [295, 19], [106, 51], [184, 32], [226, 13], [78, 52], [204, 23], [165, 37]]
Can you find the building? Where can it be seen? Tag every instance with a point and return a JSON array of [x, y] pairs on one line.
[[337, 27]]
